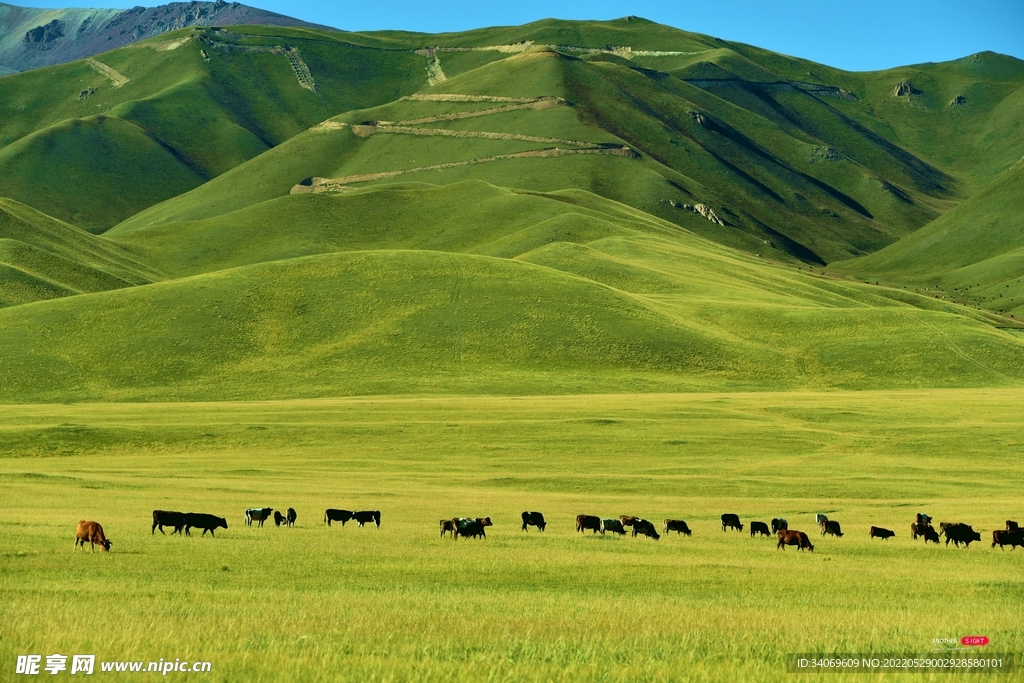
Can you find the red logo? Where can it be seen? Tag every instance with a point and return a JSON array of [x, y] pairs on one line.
[[974, 640]]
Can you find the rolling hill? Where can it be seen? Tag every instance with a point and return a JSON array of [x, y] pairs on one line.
[[561, 207]]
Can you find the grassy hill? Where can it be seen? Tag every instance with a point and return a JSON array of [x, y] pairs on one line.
[[561, 207], [470, 288], [974, 254], [95, 141]]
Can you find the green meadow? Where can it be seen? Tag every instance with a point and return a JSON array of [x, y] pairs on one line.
[[400, 603], [574, 267]]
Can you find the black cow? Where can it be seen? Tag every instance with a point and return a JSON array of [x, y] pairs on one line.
[[292, 516], [832, 527], [199, 520], [759, 528], [731, 521], [447, 526], [364, 516], [923, 518], [678, 526], [879, 532], [921, 529], [259, 515], [644, 528], [961, 533], [535, 519], [613, 525], [279, 519], [1012, 525], [473, 529], [588, 522], [778, 524], [930, 534], [332, 515], [162, 518]]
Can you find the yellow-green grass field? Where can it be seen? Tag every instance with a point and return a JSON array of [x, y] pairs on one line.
[[400, 604]]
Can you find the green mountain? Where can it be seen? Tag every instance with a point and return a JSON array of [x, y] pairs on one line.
[[556, 207]]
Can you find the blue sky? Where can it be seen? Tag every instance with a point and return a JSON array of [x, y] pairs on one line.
[[849, 34]]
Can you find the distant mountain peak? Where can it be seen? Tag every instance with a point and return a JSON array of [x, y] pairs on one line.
[[31, 38]]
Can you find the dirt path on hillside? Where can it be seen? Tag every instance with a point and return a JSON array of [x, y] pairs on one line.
[[366, 131], [316, 184], [116, 79]]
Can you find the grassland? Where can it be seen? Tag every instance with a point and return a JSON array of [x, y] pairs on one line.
[[399, 603]]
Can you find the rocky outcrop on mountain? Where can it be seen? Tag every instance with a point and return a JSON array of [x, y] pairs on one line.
[[825, 154], [958, 101], [31, 38], [47, 33], [905, 89]]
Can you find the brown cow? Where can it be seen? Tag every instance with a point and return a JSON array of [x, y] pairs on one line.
[[628, 520], [588, 522], [1003, 537], [797, 538], [93, 533], [447, 527]]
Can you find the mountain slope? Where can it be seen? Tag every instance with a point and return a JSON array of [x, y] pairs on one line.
[[788, 167], [973, 254], [31, 38], [94, 142]]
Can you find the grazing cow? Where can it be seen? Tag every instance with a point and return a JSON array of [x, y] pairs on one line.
[[588, 522], [930, 534], [923, 518], [292, 516], [759, 528], [614, 526], [473, 529], [879, 532], [797, 538], [1012, 525], [203, 521], [732, 521], [447, 526], [463, 521], [920, 529], [678, 526], [259, 515], [364, 516], [279, 519], [820, 520], [628, 520], [644, 528], [332, 515], [92, 533], [961, 533], [779, 523], [534, 518], [832, 527], [1010, 537], [162, 518]]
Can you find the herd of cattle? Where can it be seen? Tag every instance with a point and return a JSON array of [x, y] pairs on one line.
[[474, 527]]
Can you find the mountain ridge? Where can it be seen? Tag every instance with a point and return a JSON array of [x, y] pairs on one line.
[[32, 38]]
